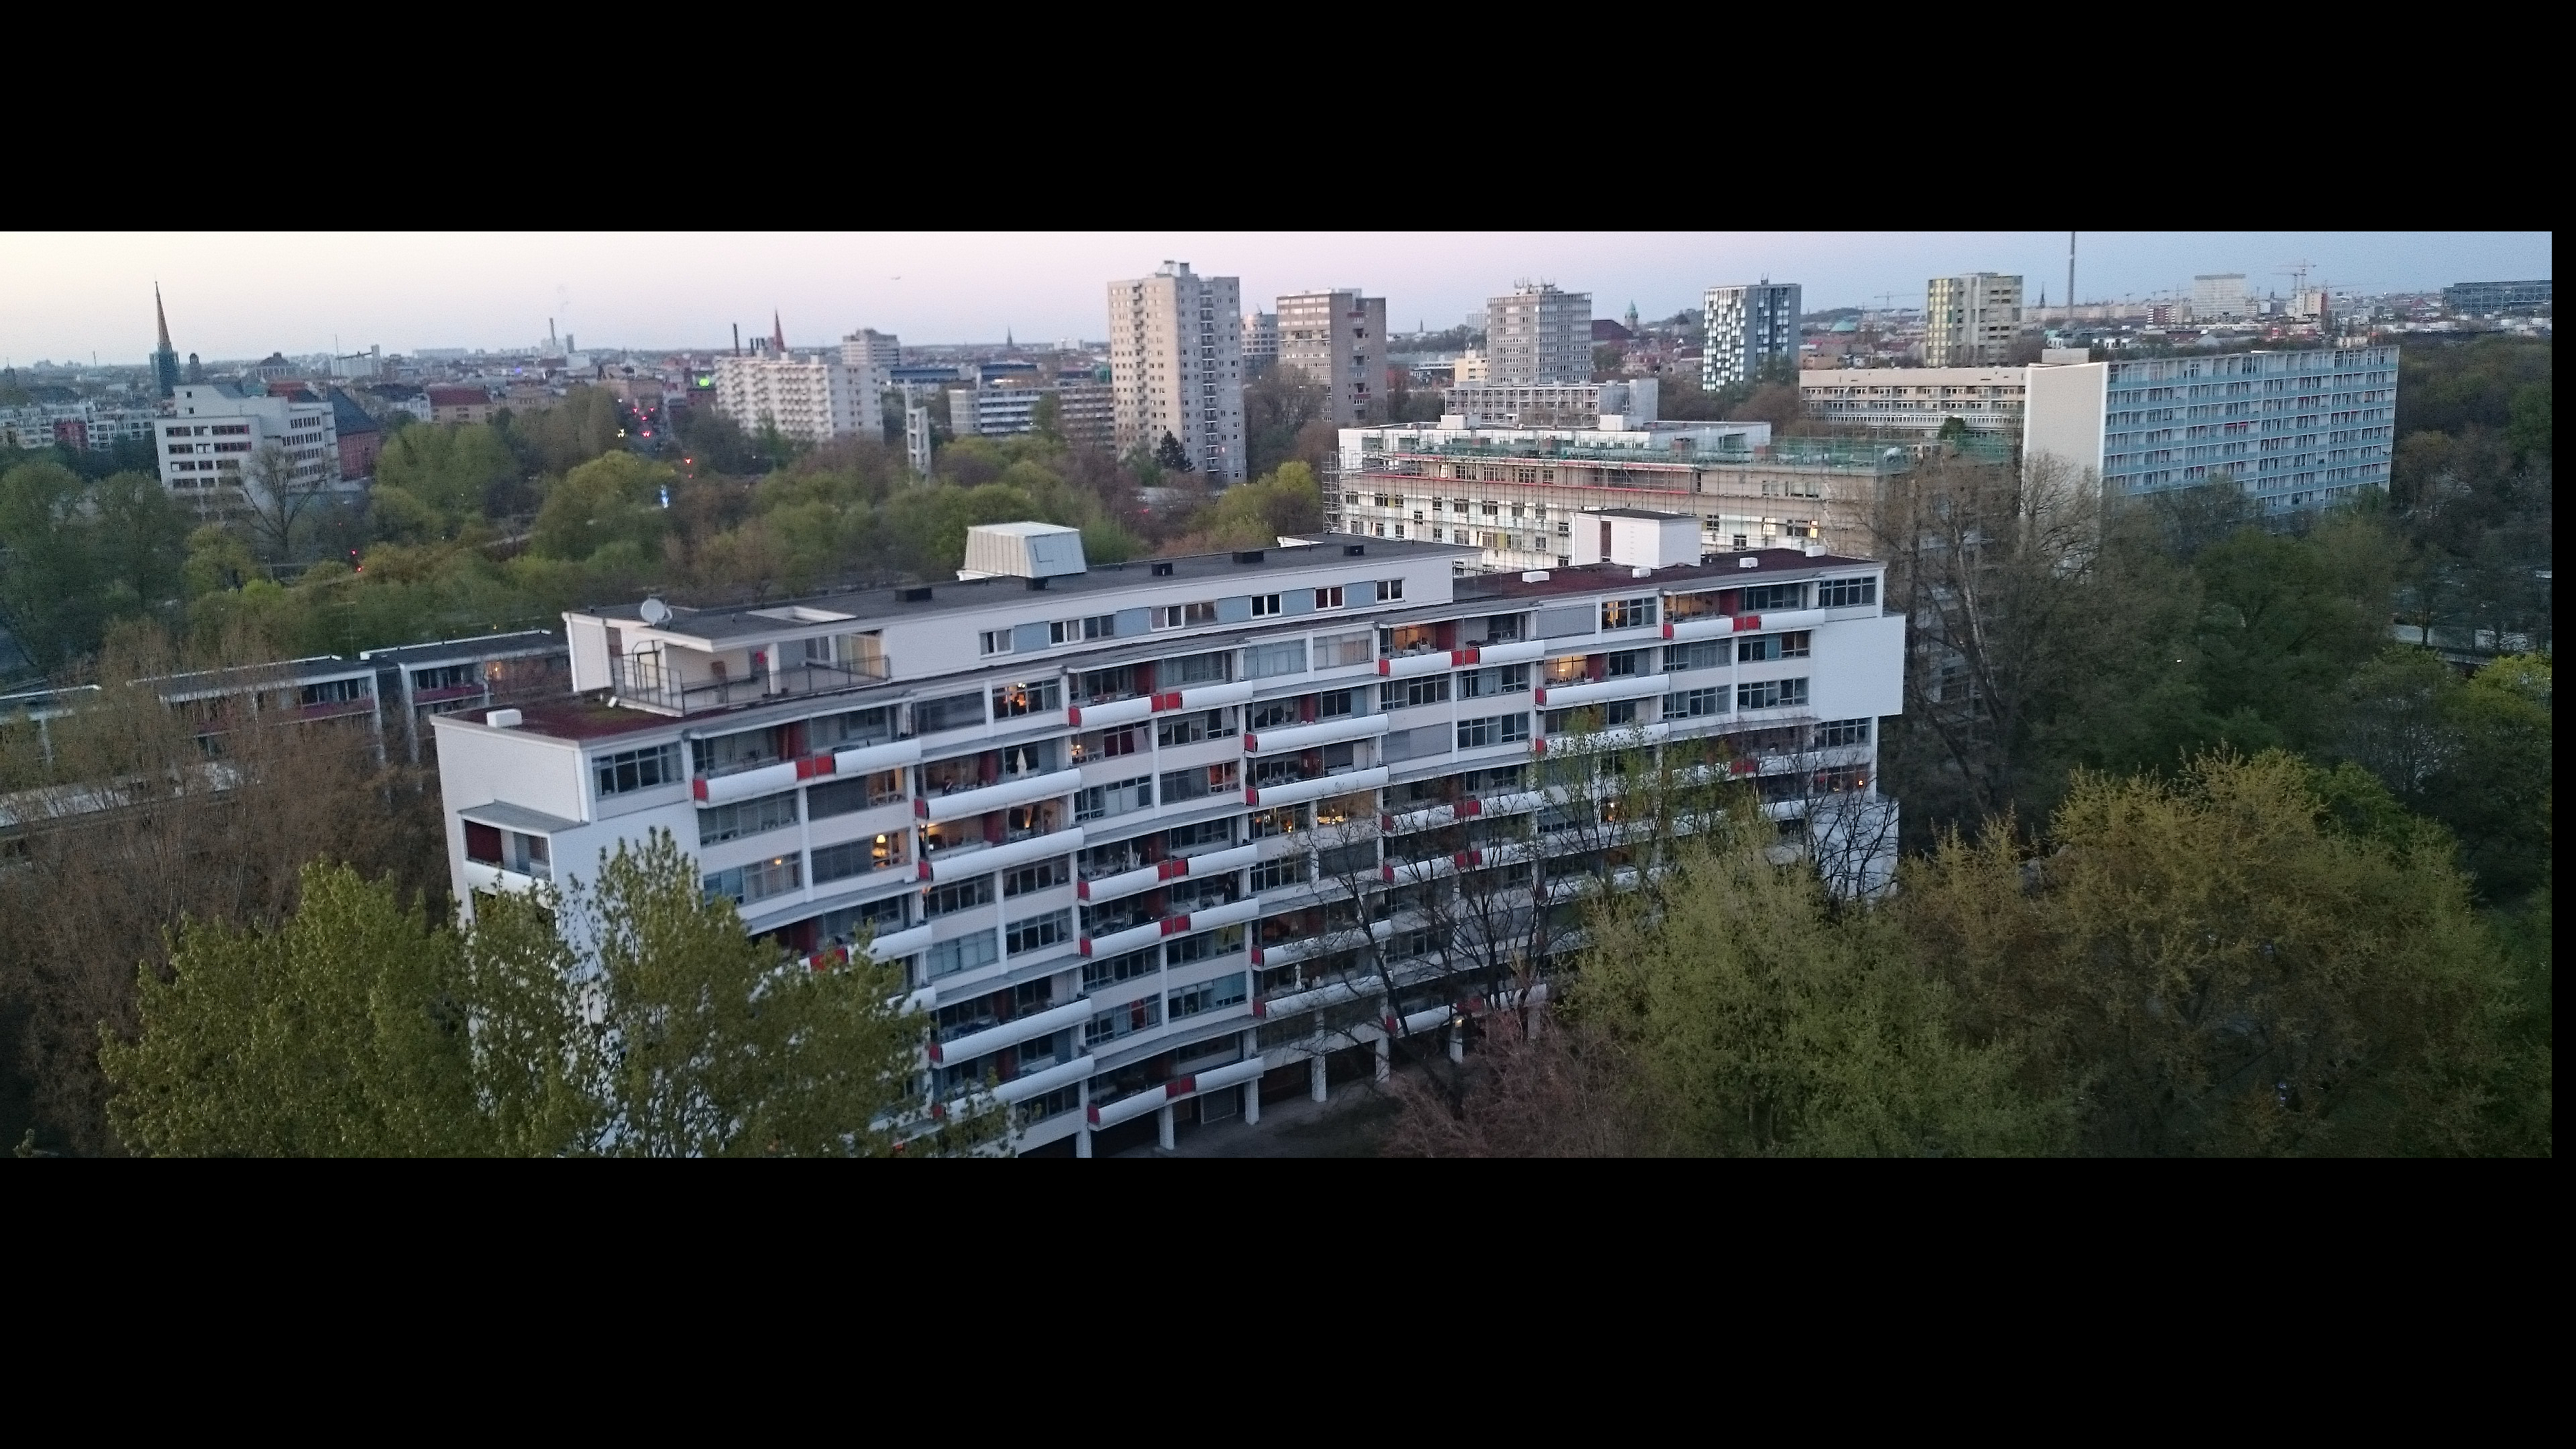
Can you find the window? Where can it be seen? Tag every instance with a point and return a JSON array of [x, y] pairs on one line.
[[1074, 631], [1627, 664], [1038, 932], [757, 881], [1842, 593], [1333, 651], [1135, 1016], [1102, 801], [1263, 661], [964, 895], [1328, 598], [1706, 654], [1408, 693], [1190, 669], [954, 712], [1835, 732], [858, 857], [1271, 714], [1693, 703], [1287, 870], [1390, 590], [1766, 598], [1264, 605], [1189, 729], [1340, 704], [1098, 972], [1763, 647], [842, 797], [1619, 712], [947, 958], [1627, 613], [1284, 820], [638, 769], [994, 641], [1198, 784], [1500, 729], [1106, 744], [1205, 946], [1208, 996], [1501, 679], [749, 817], [1771, 694], [1184, 616], [1011, 701], [1030, 879]]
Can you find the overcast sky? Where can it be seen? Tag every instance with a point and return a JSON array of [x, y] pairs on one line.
[[64, 296]]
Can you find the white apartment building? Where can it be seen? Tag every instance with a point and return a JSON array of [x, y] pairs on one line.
[[1519, 495], [1538, 334], [1918, 401], [1470, 366], [1748, 329], [1260, 337], [1176, 364], [1106, 819], [2297, 430], [1971, 320], [2219, 297], [1337, 340], [1613, 405], [811, 399], [214, 429], [868, 347]]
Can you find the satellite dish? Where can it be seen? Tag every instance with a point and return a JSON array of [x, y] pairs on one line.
[[655, 612]]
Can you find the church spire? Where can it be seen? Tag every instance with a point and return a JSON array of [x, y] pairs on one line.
[[165, 359], [777, 335], [162, 316]]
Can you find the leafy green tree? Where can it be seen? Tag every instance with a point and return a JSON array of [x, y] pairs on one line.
[[712, 1046], [457, 472], [585, 423], [2250, 959], [338, 1034], [1757, 1020], [1170, 456], [78, 553], [608, 500]]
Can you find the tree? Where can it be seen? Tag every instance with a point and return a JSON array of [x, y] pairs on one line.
[[338, 1034], [77, 554], [1170, 457], [275, 499], [608, 500], [1756, 1020], [455, 473], [2228, 964]]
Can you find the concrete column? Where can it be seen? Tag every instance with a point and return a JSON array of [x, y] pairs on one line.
[[1252, 1103], [1163, 1125], [1315, 1076], [1082, 1142], [1385, 1055], [1457, 1044]]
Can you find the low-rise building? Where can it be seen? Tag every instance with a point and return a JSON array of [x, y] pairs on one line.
[[2480, 299], [1552, 404], [214, 430], [1519, 495], [359, 437], [1106, 820], [418, 682], [1918, 402], [460, 404]]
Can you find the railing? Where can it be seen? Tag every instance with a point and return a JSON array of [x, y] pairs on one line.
[[648, 685]]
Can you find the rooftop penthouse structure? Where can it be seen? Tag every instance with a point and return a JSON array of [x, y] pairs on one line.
[[1110, 819]]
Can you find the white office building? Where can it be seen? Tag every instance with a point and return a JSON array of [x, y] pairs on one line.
[[2298, 430], [868, 347], [1176, 367], [2220, 297], [214, 431], [1107, 818], [1748, 329], [810, 398]]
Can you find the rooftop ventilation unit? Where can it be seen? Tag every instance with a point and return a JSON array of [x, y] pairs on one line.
[[1022, 551], [1247, 555]]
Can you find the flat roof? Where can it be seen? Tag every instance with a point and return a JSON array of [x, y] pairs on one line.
[[1772, 566], [744, 621], [517, 641]]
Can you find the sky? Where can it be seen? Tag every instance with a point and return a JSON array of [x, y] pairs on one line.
[[64, 296]]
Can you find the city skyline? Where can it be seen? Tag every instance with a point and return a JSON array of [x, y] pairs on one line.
[[67, 296]]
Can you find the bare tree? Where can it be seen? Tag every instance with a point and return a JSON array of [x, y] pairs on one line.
[[276, 500]]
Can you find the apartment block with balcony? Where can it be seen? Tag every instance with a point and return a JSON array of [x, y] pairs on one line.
[[1916, 403], [1517, 494], [1535, 333], [1748, 329], [1971, 320], [1081, 805], [2297, 430], [1176, 367], [812, 399]]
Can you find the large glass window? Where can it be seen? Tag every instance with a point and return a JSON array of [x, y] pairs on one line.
[[637, 769], [746, 817]]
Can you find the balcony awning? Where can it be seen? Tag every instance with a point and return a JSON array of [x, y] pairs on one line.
[[1307, 737], [1038, 1084], [869, 758], [1571, 696], [1299, 791], [519, 818], [939, 809], [1010, 1033], [952, 865]]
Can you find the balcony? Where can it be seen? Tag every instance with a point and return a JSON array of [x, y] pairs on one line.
[[1313, 736], [1575, 696], [643, 681], [1296, 792], [982, 859], [971, 1045], [1002, 795]]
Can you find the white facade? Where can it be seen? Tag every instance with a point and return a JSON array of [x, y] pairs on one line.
[[811, 399], [1539, 334], [1337, 340], [2219, 297], [868, 347], [1086, 819], [1918, 399], [1592, 405], [1176, 364], [214, 429], [1971, 320], [1749, 329], [1260, 337]]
